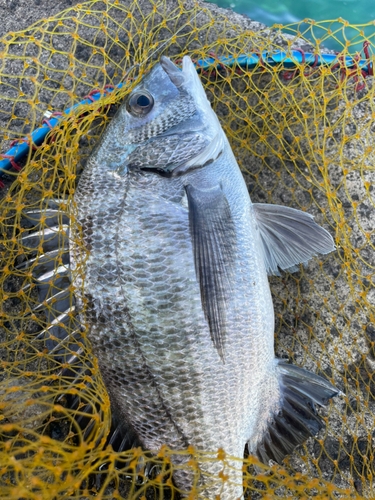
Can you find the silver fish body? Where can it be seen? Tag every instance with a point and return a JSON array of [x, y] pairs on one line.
[[179, 309]]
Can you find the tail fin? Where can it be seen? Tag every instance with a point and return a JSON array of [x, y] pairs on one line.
[[297, 418]]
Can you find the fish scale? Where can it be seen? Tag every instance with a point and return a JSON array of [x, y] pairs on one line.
[[179, 309], [150, 234]]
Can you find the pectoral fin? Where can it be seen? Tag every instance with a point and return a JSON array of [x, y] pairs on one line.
[[214, 241], [289, 237]]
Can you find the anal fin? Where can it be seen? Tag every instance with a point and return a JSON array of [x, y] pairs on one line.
[[296, 419]]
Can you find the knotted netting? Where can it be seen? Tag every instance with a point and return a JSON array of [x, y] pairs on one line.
[[303, 136]]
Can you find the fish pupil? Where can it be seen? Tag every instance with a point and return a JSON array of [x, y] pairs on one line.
[[143, 101]]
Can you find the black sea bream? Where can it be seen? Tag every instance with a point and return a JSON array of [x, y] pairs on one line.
[[179, 309]]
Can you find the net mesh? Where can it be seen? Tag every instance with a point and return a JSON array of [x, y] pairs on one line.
[[303, 137]]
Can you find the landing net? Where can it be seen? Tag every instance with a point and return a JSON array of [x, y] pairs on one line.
[[303, 136]]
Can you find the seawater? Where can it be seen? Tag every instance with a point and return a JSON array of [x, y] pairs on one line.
[[292, 12]]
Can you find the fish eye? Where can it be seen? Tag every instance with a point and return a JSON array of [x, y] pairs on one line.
[[140, 103]]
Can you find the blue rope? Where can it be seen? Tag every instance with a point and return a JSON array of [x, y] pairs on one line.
[[20, 150]]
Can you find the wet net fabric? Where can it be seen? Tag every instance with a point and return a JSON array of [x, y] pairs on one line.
[[303, 137]]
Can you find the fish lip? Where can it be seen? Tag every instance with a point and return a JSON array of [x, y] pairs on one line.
[[177, 77]]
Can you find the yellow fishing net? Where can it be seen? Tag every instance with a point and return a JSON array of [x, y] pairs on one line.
[[303, 136]]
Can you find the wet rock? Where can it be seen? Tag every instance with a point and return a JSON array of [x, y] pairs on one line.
[[22, 403]]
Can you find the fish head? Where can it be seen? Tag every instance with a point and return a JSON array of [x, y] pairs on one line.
[[167, 123]]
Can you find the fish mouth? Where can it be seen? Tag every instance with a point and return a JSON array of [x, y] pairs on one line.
[[177, 77], [181, 77]]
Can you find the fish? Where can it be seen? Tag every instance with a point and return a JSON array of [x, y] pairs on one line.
[[175, 293]]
